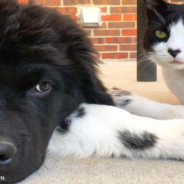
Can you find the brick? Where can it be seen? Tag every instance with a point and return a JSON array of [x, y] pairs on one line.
[[106, 2], [76, 2], [130, 2], [111, 18], [68, 10], [96, 56], [123, 10], [74, 17], [106, 32], [128, 47], [89, 32], [107, 47], [130, 17], [98, 40], [133, 55], [120, 40], [54, 2], [135, 39], [23, 1], [129, 32], [48, 2], [103, 26], [115, 55], [121, 24], [103, 9], [42, 2]]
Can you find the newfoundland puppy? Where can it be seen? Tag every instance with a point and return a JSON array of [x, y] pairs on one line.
[[47, 69], [48, 79]]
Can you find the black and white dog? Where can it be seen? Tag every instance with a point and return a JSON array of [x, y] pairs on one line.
[[52, 100]]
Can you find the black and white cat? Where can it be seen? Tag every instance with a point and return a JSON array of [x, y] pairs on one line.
[[163, 44], [99, 130]]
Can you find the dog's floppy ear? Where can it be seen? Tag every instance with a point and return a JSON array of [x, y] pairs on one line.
[[81, 78], [81, 70], [91, 88]]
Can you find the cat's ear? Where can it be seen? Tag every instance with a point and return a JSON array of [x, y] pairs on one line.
[[155, 8], [155, 4]]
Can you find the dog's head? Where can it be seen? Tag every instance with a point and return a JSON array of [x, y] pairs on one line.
[[47, 69]]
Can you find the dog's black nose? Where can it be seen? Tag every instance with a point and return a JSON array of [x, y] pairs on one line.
[[7, 151]]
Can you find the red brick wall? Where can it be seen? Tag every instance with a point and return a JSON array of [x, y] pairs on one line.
[[116, 38]]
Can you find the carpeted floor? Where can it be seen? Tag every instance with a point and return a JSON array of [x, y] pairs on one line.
[[111, 170]]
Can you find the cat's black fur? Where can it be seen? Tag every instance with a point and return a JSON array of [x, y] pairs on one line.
[[160, 16]]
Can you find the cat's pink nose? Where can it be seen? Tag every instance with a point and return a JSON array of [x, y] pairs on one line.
[[173, 52]]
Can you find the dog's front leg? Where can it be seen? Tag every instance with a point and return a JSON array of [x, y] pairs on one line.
[[105, 131]]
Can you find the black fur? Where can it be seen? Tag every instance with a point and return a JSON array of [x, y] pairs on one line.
[[160, 15], [39, 44], [137, 142], [80, 112], [125, 102], [64, 126]]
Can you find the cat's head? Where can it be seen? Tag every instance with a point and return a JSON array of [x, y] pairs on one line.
[[164, 36]]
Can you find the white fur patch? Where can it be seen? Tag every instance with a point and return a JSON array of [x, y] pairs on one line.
[[96, 134]]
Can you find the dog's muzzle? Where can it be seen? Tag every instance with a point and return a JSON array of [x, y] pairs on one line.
[[7, 151]]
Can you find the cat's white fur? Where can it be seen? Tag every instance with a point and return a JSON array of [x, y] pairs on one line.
[[175, 81], [148, 108], [173, 67]]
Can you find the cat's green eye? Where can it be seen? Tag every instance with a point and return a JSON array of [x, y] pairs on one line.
[[160, 34]]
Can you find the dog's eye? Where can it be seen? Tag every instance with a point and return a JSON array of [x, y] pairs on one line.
[[42, 87]]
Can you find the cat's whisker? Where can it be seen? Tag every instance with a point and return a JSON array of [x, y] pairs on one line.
[[145, 66], [140, 41], [143, 59], [143, 53], [155, 22], [158, 14], [160, 17], [142, 62]]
